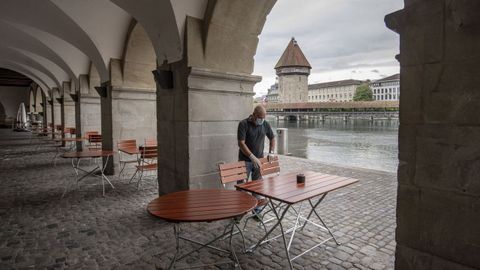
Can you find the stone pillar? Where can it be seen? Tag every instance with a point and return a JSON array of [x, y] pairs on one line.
[[217, 101], [105, 92], [89, 108], [52, 111], [197, 125], [57, 108], [438, 204], [44, 111], [68, 106], [133, 105]]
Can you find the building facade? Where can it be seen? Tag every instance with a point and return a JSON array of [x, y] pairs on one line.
[[387, 88], [272, 95], [337, 91], [292, 70]]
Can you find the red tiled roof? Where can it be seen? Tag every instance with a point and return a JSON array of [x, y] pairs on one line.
[[293, 57]]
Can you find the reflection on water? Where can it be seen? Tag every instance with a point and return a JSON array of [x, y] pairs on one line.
[[356, 143]]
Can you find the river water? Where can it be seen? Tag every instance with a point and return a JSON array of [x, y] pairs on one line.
[[355, 143]]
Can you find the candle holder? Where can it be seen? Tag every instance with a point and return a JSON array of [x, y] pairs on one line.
[[300, 178]]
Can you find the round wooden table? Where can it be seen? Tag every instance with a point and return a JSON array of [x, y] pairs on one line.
[[203, 205]]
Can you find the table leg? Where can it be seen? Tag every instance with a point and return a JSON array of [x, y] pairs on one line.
[[76, 176], [321, 220], [279, 221], [313, 207], [102, 170], [230, 251], [294, 227], [176, 232]]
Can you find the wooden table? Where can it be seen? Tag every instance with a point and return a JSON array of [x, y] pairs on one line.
[[284, 189], [72, 146], [97, 155], [203, 205]]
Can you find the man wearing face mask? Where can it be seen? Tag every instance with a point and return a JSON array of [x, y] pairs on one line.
[[251, 140]]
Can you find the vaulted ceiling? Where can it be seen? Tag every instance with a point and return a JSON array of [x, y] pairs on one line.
[[53, 41], [12, 78]]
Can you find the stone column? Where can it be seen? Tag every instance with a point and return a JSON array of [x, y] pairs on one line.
[[133, 115], [217, 101], [52, 114], [89, 100], [68, 106], [45, 115], [105, 92], [197, 124], [57, 108], [438, 203]]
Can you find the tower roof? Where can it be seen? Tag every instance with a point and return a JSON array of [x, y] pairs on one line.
[[293, 57]]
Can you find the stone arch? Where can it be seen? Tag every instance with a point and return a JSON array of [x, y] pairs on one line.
[[50, 18], [158, 20], [28, 73], [139, 59], [229, 35]]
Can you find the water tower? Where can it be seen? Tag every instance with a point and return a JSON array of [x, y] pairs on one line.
[[292, 71]]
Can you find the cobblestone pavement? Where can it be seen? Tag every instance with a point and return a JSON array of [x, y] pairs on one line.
[[86, 231]]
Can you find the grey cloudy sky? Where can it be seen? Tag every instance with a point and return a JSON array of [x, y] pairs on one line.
[[342, 39]]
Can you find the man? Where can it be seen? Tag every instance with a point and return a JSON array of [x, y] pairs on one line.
[[251, 141]]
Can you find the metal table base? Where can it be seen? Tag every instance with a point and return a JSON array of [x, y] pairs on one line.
[[300, 223]]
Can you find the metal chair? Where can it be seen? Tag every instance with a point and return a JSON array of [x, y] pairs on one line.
[[151, 142], [95, 142], [123, 159], [233, 173], [147, 163]]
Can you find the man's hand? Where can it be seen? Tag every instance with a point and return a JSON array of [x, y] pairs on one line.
[[256, 162], [271, 157]]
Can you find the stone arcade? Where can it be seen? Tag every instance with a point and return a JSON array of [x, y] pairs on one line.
[[93, 62]]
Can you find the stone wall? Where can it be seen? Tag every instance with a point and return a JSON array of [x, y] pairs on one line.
[[438, 211], [10, 99], [293, 88]]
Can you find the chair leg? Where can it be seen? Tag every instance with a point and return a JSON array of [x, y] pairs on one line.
[[122, 168], [139, 179], [133, 176]]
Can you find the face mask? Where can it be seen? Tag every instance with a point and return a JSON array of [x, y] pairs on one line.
[[259, 121]]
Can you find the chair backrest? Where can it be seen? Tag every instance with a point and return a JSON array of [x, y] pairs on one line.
[[95, 138], [151, 142], [232, 172], [70, 130], [127, 143], [148, 152], [88, 133], [269, 167]]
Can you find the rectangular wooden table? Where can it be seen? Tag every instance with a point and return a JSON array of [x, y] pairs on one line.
[[284, 189]]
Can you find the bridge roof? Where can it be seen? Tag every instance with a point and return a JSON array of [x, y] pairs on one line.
[[293, 56], [334, 105]]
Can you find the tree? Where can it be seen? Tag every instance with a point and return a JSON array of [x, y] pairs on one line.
[[363, 93]]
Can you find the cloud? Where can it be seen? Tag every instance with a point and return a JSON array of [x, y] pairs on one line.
[[333, 35]]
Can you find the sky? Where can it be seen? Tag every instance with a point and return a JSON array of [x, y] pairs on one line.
[[342, 39]]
